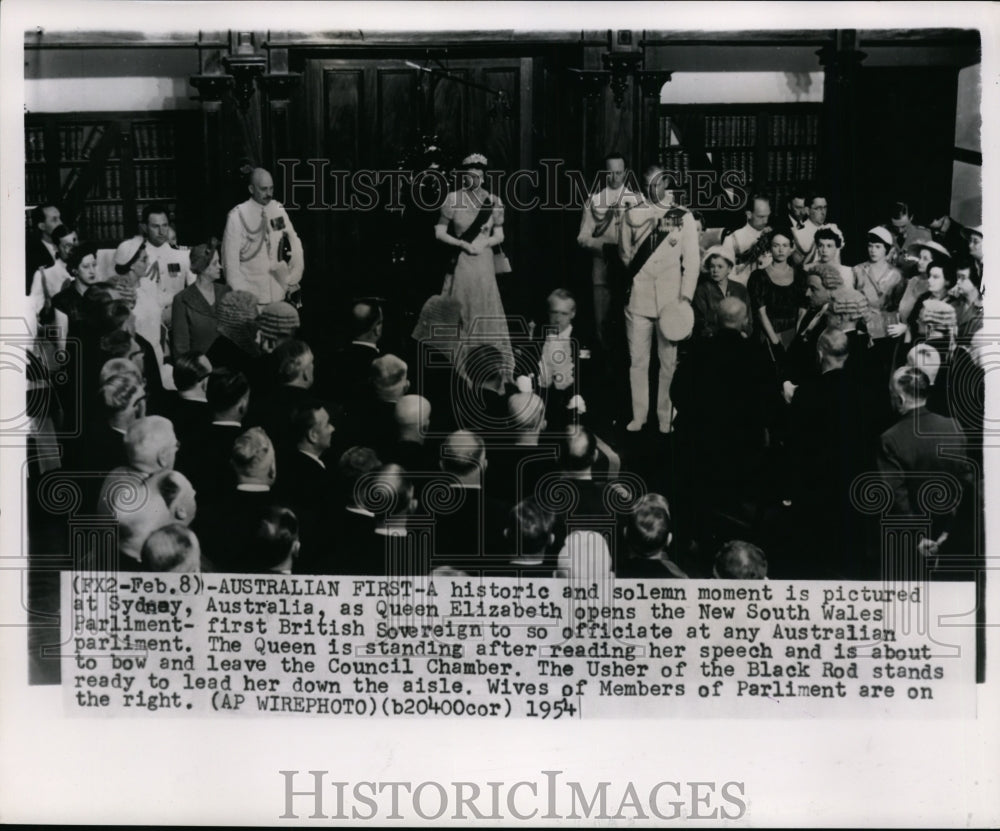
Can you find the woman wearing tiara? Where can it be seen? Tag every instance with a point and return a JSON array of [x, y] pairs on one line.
[[471, 222]]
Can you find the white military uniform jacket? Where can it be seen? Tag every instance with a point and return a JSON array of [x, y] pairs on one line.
[[250, 251], [671, 271]]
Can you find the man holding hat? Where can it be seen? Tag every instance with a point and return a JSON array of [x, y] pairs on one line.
[[659, 247], [261, 252]]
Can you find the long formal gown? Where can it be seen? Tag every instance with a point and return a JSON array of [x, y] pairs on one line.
[[473, 282]]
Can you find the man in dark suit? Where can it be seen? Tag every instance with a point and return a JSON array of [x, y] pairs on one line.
[[41, 249], [721, 391], [238, 509], [469, 528], [354, 522], [101, 446], [345, 379], [293, 369], [647, 539], [187, 408], [517, 463], [921, 450], [830, 443], [205, 456], [306, 486]]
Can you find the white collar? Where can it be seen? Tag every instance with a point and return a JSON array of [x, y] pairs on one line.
[[253, 487], [353, 509], [392, 531], [226, 424], [364, 343], [189, 395], [313, 456], [563, 335]]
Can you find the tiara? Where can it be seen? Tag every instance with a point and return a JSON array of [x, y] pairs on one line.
[[475, 158]]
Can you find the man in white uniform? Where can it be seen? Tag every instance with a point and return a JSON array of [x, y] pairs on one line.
[[659, 245], [599, 234], [261, 253], [169, 270]]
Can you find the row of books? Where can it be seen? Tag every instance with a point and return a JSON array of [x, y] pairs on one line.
[[154, 181], [675, 160], [730, 130], [34, 144], [794, 129], [36, 188], [744, 160], [152, 141], [791, 165], [77, 142], [105, 223]]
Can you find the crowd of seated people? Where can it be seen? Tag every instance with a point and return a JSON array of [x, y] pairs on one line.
[[810, 404]]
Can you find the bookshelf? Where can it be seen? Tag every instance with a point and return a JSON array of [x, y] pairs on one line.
[[102, 168], [775, 145]]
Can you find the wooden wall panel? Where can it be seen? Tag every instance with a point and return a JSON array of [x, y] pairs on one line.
[[396, 105]]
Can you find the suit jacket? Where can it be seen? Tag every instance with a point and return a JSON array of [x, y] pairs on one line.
[[204, 459], [223, 352], [910, 456], [227, 537], [436, 381], [36, 256], [274, 411], [95, 453], [308, 488], [193, 322], [345, 377], [671, 271], [722, 389], [188, 417], [513, 471], [468, 536]]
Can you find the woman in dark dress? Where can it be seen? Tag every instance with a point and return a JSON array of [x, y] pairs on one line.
[[777, 296]]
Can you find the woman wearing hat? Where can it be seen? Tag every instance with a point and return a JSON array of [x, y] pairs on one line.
[[925, 254], [713, 287], [194, 325], [941, 279], [471, 222], [777, 294], [883, 286]]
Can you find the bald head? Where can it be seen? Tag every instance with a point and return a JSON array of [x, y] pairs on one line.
[[261, 186], [150, 444], [463, 453], [527, 412], [413, 416], [732, 313], [833, 348]]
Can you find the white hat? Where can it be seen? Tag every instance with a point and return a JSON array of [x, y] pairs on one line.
[[676, 321], [930, 245], [883, 234], [127, 251], [724, 251]]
